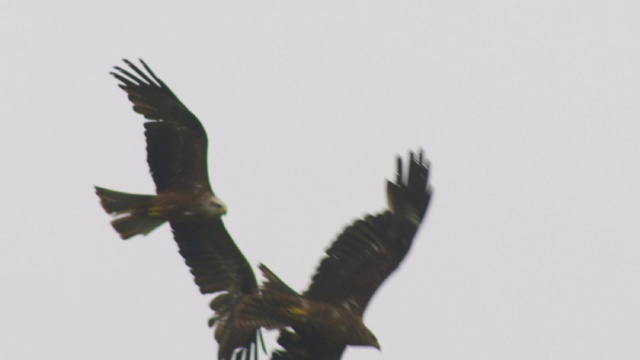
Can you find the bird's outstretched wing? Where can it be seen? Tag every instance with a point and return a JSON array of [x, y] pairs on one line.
[[218, 266], [176, 140], [364, 255], [369, 250]]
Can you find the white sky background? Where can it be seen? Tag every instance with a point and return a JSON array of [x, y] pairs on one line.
[[528, 111]]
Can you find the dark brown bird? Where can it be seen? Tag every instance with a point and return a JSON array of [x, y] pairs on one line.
[[177, 156], [278, 306], [328, 316]]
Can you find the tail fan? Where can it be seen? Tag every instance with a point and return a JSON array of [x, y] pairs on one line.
[[132, 225], [273, 284], [272, 308], [122, 205]]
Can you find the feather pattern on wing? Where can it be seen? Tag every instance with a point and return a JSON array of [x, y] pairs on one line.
[[363, 256], [176, 140], [369, 250], [218, 266]]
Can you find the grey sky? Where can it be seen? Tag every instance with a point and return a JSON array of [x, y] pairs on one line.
[[528, 111]]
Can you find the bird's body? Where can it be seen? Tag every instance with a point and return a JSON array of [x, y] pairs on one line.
[[321, 322], [137, 214], [278, 306]]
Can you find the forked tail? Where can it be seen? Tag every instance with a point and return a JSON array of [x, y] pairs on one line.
[[272, 308], [128, 223]]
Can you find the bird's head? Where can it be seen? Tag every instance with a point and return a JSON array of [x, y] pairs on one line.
[[215, 207], [364, 337], [372, 340]]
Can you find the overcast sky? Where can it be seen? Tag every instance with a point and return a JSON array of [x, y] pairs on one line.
[[528, 111]]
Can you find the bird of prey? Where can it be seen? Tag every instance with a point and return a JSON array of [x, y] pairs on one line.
[[328, 316], [177, 158]]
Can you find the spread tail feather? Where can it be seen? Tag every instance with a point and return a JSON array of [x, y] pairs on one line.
[[116, 202], [122, 205], [270, 309], [273, 285], [132, 225]]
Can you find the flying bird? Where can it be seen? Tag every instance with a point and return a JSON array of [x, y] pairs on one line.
[[328, 316], [177, 157]]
